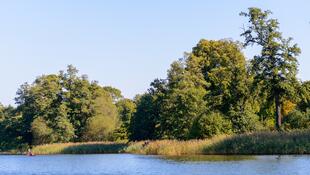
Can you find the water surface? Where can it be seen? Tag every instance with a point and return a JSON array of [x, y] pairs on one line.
[[127, 164]]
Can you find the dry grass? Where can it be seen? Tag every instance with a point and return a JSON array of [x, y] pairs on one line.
[[80, 148], [295, 142], [173, 147]]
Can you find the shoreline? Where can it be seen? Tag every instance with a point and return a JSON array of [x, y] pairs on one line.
[[260, 143]]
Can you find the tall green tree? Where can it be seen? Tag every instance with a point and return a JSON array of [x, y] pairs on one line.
[[104, 121], [41, 99], [126, 109], [143, 124], [304, 96], [146, 122], [10, 128], [116, 94], [275, 68], [222, 66], [78, 96], [221, 69], [65, 106], [183, 102]]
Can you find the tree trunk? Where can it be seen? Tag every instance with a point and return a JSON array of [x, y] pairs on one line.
[[278, 111]]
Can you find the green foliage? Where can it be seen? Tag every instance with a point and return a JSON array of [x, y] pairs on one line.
[[116, 94], [213, 77], [304, 95], [221, 66], [105, 120], [213, 90], [41, 132], [263, 143], [244, 119], [210, 125], [126, 109], [65, 105], [260, 143], [227, 81], [78, 95], [143, 123], [246, 122], [297, 120], [275, 68], [64, 130], [2, 117], [183, 102], [99, 128], [10, 126]]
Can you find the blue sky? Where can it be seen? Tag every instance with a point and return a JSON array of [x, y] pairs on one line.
[[125, 44]]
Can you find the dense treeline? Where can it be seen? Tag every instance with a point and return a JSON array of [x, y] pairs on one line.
[[213, 90], [63, 108]]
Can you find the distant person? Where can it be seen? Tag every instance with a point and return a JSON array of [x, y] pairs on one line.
[[29, 153]]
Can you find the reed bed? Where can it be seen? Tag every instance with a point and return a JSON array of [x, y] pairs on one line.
[[260, 143], [173, 147], [80, 148], [263, 143]]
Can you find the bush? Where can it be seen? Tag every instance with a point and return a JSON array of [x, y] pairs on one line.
[[297, 120], [269, 124], [64, 130], [245, 122], [208, 125], [99, 128], [41, 132]]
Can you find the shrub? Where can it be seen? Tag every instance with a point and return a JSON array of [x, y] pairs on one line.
[[64, 130], [297, 120], [99, 128], [208, 125], [245, 121], [41, 132]]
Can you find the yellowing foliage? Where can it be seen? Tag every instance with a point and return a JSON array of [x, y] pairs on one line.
[[288, 107]]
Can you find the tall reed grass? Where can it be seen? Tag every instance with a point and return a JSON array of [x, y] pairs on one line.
[[267, 143], [295, 142], [80, 148], [173, 147]]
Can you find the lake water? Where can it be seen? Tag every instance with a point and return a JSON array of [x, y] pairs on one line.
[[127, 164]]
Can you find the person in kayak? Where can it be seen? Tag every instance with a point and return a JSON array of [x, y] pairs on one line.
[[30, 153]]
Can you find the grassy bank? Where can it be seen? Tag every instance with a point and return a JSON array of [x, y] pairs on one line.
[[297, 142], [173, 147], [80, 148]]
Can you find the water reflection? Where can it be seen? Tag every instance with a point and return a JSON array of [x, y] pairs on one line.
[[128, 164], [209, 158]]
